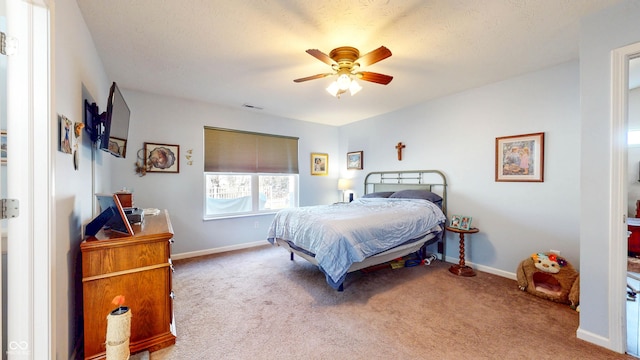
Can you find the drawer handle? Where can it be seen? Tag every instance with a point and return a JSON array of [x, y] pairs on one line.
[[172, 295]]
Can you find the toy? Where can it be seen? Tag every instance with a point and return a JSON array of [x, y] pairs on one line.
[[551, 277]]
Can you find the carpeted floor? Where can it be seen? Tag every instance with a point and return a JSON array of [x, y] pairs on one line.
[[257, 304]]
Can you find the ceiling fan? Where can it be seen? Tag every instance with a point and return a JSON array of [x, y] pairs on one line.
[[345, 62]]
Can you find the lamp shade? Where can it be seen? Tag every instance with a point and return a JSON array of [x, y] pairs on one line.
[[333, 89], [354, 87], [344, 184]]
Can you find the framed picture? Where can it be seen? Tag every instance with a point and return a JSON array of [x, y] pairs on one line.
[[66, 131], [162, 157], [3, 146], [462, 222], [117, 146], [354, 160], [455, 221], [520, 158], [465, 222], [319, 164]]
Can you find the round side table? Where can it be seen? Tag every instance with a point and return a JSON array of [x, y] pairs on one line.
[[461, 269]]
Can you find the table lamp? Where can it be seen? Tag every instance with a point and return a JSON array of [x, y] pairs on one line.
[[344, 185]]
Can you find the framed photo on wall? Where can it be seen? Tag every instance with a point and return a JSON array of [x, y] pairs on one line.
[[319, 164], [520, 158], [354, 160], [118, 145], [162, 157], [66, 134], [3, 146]]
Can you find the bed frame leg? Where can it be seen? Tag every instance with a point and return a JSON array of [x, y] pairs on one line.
[[292, 256], [422, 253], [341, 288]]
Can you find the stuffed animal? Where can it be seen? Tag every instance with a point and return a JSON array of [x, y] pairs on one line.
[[551, 277]]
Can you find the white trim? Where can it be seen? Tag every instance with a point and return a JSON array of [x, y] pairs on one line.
[[618, 207], [596, 339], [30, 121], [193, 254], [494, 271]]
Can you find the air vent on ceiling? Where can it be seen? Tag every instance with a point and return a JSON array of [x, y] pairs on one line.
[[252, 106]]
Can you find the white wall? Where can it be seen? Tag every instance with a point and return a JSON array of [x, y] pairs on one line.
[[181, 122], [456, 134], [601, 33], [79, 74]]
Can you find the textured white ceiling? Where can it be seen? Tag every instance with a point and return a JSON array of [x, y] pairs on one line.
[[248, 52]]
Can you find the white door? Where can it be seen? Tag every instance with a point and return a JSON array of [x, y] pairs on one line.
[[28, 174]]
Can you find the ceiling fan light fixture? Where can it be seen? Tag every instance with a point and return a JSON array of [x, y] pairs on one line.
[[354, 87], [342, 84], [344, 81], [345, 62], [333, 89]]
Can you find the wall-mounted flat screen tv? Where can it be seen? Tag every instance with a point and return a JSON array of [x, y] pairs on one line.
[[116, 124], [110, 128]]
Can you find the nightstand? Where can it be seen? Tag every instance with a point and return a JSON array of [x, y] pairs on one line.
[[461, 268]]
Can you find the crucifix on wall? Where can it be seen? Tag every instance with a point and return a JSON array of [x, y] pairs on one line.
[[399, 147]]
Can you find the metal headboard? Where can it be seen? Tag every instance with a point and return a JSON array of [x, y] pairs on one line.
[[432, 180]]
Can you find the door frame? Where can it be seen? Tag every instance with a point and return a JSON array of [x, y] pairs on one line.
[[618, 215], [30, 129]]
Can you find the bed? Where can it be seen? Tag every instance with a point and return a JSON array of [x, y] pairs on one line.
[[400, 213]]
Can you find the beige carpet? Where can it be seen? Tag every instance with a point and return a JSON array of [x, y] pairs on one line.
[[257, 304]]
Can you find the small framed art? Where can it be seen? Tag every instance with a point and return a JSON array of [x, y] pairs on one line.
[[3, 146], [520, 158], [319, 164], [461, 222], [354, 160], [118, 146], [455, 221], [465, 222], [66, 131], [162, 157]]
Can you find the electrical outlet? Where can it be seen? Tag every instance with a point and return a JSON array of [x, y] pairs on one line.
[[557, 252]]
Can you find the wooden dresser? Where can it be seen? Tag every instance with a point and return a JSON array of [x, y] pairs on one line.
[[138, 267]]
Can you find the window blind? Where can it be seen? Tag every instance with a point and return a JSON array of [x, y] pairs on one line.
[[228, 150]]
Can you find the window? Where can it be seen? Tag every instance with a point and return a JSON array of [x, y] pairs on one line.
[[249, 173], [633, 137]]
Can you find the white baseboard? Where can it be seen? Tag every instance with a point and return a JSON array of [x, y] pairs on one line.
[[487, 269], [596, 339], [217, 250]]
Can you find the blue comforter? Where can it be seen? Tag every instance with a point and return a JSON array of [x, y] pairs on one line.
[[341, 234]]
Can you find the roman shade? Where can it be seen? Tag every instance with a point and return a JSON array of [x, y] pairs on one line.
[[228, 150]]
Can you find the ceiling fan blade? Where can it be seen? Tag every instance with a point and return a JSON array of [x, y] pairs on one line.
[[374, 56], [375, 77], [321, 56], [313, 77]]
